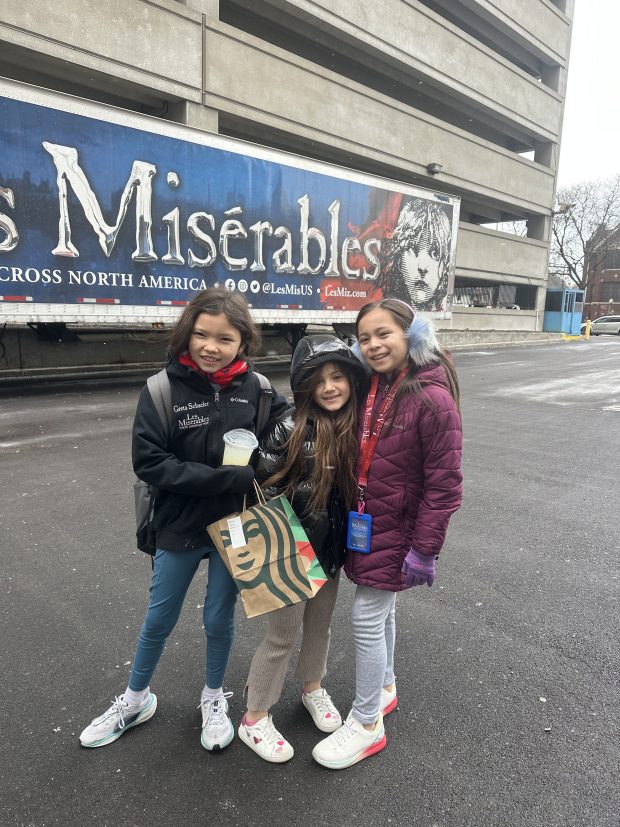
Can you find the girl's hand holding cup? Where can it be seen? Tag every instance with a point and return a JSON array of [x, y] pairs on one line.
[[239, 445]]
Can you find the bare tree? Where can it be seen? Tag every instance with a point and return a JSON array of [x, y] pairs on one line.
[[585, 228]]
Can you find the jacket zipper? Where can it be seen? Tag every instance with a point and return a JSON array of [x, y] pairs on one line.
[[214, 428]]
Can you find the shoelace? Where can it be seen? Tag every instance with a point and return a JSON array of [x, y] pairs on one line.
[[119, 707], [268, 731], [324, 704], [213, 710], [342, 735]]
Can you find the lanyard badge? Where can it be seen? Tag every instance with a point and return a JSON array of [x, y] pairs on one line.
[[358, 532], [359, 524]]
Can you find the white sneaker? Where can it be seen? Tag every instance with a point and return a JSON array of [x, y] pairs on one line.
[[349, 744], [321, 707], [217, 728], [120, 717], [266, 741], [389, 700]]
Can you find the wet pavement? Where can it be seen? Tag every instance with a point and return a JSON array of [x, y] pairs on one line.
[[507, 668]]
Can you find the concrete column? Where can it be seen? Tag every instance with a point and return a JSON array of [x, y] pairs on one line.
[[541, 297], [561, 81], [194, 114], [202, 117], [551, 77], [544, 153], [539, 226], [569, 8]]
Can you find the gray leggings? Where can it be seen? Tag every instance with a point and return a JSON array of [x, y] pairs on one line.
[[374, 631]]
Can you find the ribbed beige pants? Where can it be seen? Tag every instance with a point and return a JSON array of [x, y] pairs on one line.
[[270, 661]]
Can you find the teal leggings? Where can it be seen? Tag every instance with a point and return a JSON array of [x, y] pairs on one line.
[[173, 571]]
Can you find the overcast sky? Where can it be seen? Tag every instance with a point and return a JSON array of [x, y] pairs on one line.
[[591, 134]]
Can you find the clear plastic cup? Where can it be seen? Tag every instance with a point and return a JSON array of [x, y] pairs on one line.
[[238, 447]]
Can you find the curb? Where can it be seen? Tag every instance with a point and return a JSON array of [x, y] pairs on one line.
[[497, 345], [138, 372]]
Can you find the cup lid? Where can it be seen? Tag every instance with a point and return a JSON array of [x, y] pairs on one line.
[[241, 438]]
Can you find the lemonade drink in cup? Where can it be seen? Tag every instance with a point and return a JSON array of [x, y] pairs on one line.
[[238, 447]]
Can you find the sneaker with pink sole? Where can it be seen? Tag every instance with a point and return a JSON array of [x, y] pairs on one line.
[[350, 744], [389, 700]]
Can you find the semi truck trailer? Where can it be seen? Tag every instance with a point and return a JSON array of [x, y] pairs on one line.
[[110, 221]]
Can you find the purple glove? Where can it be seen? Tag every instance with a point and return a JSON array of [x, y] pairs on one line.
[[418, 569]]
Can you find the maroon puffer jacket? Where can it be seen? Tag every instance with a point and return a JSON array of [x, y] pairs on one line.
[[414, 483]]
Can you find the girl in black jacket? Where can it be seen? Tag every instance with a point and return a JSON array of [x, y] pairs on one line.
[[309, 456], [212, 391]]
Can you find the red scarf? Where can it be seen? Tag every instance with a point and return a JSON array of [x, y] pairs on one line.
[[222, 377]]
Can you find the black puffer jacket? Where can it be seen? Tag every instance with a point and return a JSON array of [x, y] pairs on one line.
[[326, 528], [194, 490]]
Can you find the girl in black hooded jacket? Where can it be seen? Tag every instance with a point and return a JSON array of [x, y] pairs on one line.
[[212, 391], [309, 456]]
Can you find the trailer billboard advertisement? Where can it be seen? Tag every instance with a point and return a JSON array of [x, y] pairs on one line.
[[102, 207]]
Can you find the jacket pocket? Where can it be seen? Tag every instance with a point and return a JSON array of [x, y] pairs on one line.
[[404, 509]]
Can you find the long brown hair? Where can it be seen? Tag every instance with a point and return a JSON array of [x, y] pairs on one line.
[[335, 444], [216, 300], [403, 315]]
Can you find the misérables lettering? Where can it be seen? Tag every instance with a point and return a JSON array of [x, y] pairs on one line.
[[307, 251]]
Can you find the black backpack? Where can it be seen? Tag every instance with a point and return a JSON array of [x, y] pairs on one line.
[[144, 494]]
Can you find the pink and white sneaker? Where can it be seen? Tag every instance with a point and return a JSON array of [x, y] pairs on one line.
[[349, 744], [265, 740], [322, 709], [389, 700]]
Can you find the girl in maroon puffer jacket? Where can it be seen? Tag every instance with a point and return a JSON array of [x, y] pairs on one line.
[[410, 483]]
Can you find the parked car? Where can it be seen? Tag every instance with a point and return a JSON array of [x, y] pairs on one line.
[[606, 324]]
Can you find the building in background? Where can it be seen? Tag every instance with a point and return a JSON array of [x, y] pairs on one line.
[[603, 280], [459, 96]]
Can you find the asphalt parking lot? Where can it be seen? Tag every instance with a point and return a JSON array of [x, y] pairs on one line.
[[507, 668]]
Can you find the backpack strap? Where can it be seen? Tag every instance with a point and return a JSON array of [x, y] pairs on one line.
[[159, 388], [264, 402]]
